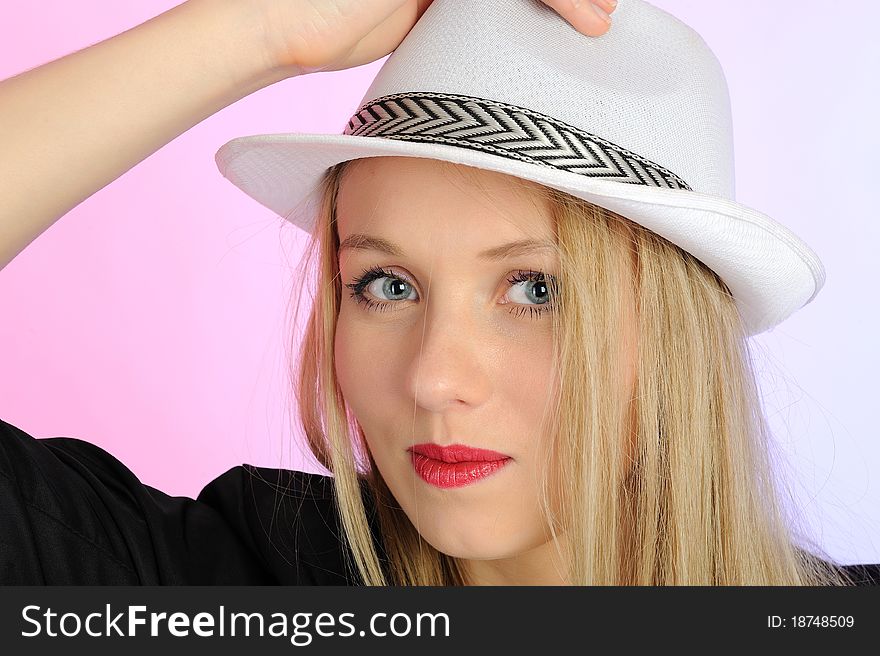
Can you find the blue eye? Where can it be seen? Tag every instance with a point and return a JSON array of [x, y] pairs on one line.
[[535, 286], [532, 284]]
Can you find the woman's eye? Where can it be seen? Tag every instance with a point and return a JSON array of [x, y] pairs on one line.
[[376, 283], [379, 290], [532, 293], [390, 288], [529, 290]]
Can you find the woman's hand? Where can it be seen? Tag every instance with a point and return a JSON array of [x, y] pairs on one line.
[[306, 36]]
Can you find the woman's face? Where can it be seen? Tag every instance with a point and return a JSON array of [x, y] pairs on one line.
[[445, 350]]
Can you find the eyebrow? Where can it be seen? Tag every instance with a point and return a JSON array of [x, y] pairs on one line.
[[359, 241]]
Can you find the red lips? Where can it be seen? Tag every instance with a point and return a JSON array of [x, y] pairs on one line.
[[455, 465]]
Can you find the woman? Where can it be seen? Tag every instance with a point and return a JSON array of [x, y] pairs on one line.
[[578, 413]]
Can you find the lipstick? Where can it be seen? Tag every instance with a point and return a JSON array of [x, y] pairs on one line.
[[455, 465]]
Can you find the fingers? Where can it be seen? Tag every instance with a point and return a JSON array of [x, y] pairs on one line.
[[586, 16]]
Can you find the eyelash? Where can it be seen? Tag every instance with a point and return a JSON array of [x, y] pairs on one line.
[[377, 272]]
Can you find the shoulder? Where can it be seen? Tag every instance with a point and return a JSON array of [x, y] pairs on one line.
[[270, 487], [290, 518], [863, 574]]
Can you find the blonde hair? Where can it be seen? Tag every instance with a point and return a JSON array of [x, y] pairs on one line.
[[692, 501]]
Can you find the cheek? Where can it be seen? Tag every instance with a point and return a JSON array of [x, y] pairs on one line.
[[526, 381], [357, 355], [367, 365]]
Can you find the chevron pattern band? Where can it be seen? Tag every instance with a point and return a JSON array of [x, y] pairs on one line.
[[506, 130]]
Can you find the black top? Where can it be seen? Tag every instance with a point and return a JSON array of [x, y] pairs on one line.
[[72, 514]]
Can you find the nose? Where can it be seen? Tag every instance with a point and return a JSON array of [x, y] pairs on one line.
[[449, 368]]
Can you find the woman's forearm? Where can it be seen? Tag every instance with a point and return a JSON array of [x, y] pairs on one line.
[[71, 126]]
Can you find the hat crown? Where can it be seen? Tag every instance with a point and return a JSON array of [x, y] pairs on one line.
[[650, 85]]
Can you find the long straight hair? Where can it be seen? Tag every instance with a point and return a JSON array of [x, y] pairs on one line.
[[668, 483]]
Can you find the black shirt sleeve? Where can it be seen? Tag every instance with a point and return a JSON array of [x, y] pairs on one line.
[[71, 513]]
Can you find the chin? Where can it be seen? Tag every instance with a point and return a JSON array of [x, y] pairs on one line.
[[468, 551], [470, 545]]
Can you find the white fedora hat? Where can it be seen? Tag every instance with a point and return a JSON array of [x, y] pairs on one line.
[[637, 120]]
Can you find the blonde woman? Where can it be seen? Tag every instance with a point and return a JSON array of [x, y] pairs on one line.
[[513, 367]]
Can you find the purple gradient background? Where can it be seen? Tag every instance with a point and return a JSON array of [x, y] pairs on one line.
[[150, 319]]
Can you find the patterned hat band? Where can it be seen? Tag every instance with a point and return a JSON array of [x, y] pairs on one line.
[[505, 130]]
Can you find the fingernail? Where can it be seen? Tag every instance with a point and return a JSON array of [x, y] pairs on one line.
[[601, 13]]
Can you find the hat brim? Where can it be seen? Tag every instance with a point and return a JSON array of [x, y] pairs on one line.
[[770, 271]]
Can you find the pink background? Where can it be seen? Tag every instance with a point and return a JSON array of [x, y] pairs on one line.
[[150, 319]]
